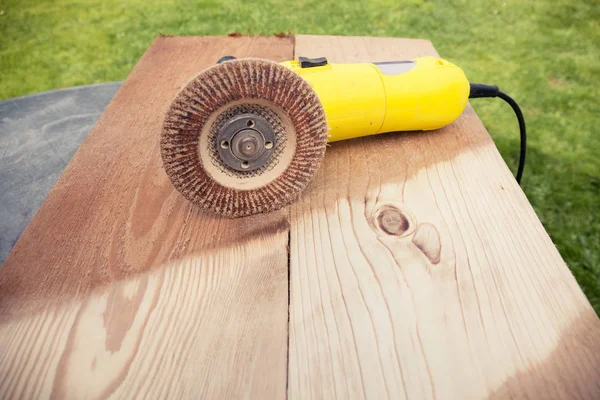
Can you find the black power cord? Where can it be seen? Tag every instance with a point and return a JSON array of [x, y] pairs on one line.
[[483, 91]]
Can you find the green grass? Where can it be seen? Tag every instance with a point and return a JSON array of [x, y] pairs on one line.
[[544, 53]]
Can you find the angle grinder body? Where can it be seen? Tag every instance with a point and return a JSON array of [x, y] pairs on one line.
[[369, 98], [246, 136]]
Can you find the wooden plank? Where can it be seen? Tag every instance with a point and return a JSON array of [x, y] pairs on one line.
[[419, 269], [120, 287]]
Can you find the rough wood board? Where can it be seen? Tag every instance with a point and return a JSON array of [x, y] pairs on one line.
[[474, 300], [119, 286]]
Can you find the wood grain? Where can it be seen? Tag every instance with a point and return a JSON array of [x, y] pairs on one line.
[[418, 269], [120, 287]]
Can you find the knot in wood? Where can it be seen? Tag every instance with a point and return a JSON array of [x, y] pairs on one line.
[[392, 220]]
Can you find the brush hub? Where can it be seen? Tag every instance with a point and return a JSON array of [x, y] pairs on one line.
[[245, 142], [248, 144]]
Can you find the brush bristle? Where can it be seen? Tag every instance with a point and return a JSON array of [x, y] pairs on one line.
[[215, 88]]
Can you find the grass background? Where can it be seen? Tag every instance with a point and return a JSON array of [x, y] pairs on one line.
[[544, 53]]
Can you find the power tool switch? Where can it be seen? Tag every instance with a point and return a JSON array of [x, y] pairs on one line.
[[306, 62]]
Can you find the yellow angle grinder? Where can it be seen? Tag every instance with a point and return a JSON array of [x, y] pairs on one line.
[[246, 136]]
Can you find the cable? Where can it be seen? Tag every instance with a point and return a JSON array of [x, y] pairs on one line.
[[485, 91]]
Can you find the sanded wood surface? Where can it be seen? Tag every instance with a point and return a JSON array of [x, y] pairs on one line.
[[120, 287], [418, 269]]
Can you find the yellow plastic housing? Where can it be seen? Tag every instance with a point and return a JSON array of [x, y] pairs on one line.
[[365, 99]]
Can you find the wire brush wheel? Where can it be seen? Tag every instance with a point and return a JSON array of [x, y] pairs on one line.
[[244, 137]]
